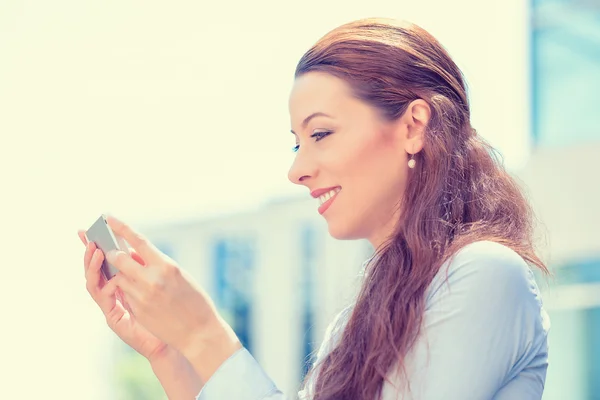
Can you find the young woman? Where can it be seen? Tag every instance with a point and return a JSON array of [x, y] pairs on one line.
[[448, 307]]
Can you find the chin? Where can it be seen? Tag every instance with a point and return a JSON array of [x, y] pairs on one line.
[[343, 232]]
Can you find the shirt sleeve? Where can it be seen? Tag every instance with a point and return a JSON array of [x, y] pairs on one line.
[[484, 326], [240, 377]]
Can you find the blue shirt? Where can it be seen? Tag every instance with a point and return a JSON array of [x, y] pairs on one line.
[[484, 337]]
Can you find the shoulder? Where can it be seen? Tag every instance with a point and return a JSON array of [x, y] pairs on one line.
[[487, 262], [489, 270], [492, 289], [484, 306]]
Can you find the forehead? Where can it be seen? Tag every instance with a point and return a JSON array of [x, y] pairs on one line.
[[318, 92]]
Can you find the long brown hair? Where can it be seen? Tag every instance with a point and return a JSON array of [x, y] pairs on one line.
[[458, 193]]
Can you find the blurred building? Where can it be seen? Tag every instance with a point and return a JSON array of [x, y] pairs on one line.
[[562, 177], [275, 274], [279, 278]]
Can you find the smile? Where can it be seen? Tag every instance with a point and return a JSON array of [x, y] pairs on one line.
[[326, 196], [326, 199]]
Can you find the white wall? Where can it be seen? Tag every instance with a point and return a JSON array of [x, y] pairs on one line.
[[564, 186]]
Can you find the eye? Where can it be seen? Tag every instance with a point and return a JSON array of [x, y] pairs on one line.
[[320, 135], [317, 135]]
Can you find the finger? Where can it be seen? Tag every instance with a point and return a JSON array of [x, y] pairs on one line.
[[113, 310], [106, 298], [126, 265], [87, 258], [121, 297], [82, 236], [139, 243], [93, 276], [136, 257], [127, 287], [124, 302]]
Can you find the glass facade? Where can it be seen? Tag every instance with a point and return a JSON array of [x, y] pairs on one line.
[[309, 242], [565, 77], [565, 71], [233, 263], [574, 370], [575, 334]]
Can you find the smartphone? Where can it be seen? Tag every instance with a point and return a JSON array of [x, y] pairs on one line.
[[105, 239]]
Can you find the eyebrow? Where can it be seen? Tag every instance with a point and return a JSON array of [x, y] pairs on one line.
[[311, 116]]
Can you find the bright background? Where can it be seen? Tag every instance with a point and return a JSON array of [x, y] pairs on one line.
[[169, 113]]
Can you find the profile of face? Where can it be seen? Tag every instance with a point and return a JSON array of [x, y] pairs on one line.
[[351, 157]]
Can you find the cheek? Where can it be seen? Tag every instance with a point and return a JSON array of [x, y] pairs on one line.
[[378, 175], [377, 162]]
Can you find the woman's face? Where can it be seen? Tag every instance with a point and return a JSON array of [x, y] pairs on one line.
[[349, 157]]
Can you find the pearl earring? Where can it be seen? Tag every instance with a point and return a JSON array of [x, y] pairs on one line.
[[412, 162]]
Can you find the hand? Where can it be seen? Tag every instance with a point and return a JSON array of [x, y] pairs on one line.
[[167, 302], [118, 317]]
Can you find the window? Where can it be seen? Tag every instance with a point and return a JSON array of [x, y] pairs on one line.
[[574, 337], [582, 271], [565, 71], [592, 342], [308, 240], [233, 263]]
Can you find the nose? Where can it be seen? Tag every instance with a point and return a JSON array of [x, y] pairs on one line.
[[303, 169]]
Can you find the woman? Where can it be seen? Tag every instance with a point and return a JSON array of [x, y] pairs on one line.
[[448, 307]]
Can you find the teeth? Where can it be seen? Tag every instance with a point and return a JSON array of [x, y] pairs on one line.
[[324, 197]]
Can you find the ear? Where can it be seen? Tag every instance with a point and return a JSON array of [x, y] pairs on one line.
[[414, 121]]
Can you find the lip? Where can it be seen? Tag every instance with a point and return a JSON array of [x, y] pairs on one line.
[[325, 206], [318, 192]]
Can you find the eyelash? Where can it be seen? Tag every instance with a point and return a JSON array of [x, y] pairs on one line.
[[317, 135]]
